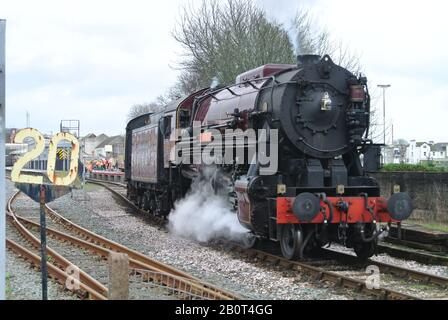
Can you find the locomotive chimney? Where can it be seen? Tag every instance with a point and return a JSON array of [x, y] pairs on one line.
[[307, 59]]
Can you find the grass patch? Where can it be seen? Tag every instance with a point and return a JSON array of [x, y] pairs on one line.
[[420, 286], [426, 167], [8, 289], [435, 226], [89, 187]]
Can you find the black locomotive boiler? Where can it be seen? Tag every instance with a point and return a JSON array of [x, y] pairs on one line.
[[319, 192]]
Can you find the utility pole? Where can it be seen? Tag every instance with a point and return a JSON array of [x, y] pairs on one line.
[[2, 160], [392, 132], [384, 87]]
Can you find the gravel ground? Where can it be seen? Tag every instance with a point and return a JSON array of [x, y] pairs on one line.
[[90, 263], [104, 215], [408, 286], [24, 282], [409, 264]]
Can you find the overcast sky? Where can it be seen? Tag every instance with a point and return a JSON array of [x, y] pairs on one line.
[[91, 60]]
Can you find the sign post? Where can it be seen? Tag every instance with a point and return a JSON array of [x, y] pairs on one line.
[[2, 160], [44, 186], [43, 243]]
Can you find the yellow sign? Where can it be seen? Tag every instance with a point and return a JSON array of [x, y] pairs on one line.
[[38, 138], [69, 178], [63, 153]]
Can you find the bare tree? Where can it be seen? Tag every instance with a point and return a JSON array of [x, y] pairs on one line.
[[377, 126], [143, 108], [224, 38], [310, 38], [221, 39]]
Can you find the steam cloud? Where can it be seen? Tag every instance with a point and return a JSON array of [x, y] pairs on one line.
[[203, 216]]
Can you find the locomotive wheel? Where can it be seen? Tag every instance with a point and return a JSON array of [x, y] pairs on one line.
[[364, 250], [249, 241], [291, 241], [140, 201], [152, 205], [146, 201]]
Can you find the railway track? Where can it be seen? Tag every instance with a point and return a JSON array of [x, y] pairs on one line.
[[145, 273], [399, 251], [323, 273], [119, 190], [345, 271], [54, 271], [419, 255], [27, 245], [388, 268]]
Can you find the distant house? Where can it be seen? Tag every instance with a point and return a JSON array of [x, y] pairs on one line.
[[90, 142], [111, 147], [439, 151], [394, 153], [427, 151]]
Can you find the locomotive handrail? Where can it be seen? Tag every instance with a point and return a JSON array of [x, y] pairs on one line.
[[249, 82], [212, 93], [325, 84]]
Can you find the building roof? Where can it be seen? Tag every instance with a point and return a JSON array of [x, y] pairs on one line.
[[419, 144], [441, 146], [95, 139], [111, 141]]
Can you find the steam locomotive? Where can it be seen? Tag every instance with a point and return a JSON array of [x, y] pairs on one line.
[[317, 193]]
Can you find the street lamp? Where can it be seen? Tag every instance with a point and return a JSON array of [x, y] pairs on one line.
[[384, 87]]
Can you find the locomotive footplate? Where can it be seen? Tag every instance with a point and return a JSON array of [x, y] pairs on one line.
[[345, 209]]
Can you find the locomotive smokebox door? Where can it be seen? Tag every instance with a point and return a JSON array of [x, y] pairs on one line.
[[312, 109]]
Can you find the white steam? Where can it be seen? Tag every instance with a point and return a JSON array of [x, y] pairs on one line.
[[203, 216]]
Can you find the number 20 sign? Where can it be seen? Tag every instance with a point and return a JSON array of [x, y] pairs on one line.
[[64, 180]]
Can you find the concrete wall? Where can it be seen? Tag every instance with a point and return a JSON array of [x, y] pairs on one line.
[[428, 190]]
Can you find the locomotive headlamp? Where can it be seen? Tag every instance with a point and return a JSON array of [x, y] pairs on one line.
[[281, 188], [357, 93], [325, 103]]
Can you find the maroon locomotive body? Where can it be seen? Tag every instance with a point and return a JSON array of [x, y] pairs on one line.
[[318, 191]]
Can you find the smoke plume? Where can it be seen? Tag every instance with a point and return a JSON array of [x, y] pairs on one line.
[[203, 216]]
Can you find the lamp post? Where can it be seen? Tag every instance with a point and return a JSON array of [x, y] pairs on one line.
[[384, 87]]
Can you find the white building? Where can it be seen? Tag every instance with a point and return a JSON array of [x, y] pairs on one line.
[[426, 151], [395, 153], [439, 151], [90, 142], [112, 147]]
